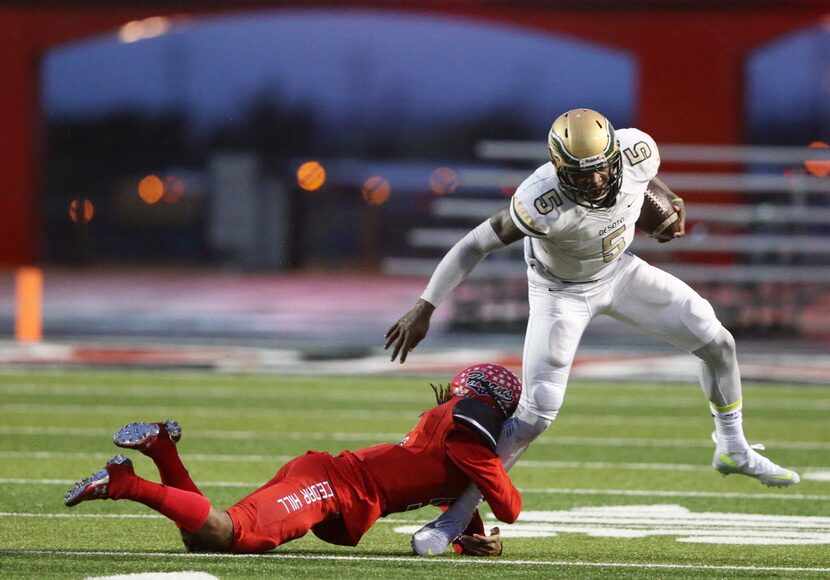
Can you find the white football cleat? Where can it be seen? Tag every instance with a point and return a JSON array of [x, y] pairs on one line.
[[433, 538], [751, 463]]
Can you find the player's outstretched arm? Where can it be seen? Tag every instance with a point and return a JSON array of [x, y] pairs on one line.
[[484, 468], [410, 329], [482, 545], [455, 266]]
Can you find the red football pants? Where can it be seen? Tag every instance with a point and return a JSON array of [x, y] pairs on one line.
[[298, 497]]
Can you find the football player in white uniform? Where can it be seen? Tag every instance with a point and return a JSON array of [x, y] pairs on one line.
[[577, 217]]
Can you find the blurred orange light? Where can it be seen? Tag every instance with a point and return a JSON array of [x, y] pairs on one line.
[[311, 176], [150, 189], [376, 190], [173, 189], [142, 29], [443, 181], [81, 211], [818, 168]]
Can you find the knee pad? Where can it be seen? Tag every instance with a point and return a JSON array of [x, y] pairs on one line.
[[543, 397], [719, 350]]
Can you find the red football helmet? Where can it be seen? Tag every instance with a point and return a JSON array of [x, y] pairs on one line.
[[492, 384]]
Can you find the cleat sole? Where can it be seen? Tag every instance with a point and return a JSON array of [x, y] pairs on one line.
[[143, 436], [138, 436]]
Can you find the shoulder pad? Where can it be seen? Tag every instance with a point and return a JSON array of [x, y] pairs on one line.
[[536, 202], [641, 159], [483, 420]]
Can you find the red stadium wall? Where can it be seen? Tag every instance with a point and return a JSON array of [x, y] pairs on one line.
[[690, 59]]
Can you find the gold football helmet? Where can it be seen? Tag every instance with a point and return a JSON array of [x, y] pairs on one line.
[[586, 154]]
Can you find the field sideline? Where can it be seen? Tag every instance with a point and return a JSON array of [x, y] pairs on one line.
[[619, 487]]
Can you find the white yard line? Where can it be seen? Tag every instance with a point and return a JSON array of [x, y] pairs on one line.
[[219, 411], [92, 516], [190, 391], [414, 560], [216, 457], [549, 440], [33, 431], [22, 481], [279, 459], [777, 496], [656, 443]]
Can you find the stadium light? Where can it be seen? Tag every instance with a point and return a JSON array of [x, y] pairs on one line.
[[311, 176], [376, 190], [816, 167], [143, 29], [443, 180], [150, 189], [81, 211]]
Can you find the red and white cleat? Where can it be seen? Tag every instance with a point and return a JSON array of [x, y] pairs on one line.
[[96, 486], [143, 436]]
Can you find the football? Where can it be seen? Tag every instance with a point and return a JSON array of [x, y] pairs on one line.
[[658, 217]]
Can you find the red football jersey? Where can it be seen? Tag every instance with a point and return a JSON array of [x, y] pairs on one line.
[[433, 465]]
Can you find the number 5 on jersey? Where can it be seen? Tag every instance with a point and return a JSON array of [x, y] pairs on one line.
[[545, 203], [613, 244]]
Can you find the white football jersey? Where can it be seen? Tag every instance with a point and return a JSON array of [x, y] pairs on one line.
[[574, 243]]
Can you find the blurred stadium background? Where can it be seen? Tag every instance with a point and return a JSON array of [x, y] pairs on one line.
[[254, 190], [276, 180]]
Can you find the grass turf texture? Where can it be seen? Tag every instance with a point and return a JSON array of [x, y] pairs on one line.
[[615, 444]]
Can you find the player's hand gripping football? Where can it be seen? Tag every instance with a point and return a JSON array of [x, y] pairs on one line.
[[478, 545], [680, 207], [411, 329]]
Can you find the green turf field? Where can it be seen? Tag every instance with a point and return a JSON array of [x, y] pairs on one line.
[[619, 487]]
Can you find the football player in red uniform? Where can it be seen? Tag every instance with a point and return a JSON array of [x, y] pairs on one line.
[[337, 498]]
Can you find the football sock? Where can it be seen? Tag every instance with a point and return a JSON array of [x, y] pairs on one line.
[[171, 469], [729, 427], [189, 510], [517, 433], [720, 378]]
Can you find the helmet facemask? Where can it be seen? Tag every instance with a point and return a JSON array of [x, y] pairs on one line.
[[586, 154], [572, 183]]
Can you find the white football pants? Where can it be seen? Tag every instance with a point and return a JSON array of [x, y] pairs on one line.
[[635, 293]]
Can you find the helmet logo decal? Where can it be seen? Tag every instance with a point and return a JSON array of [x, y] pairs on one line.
[[492, 384], [477, 381], [591, 161]]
